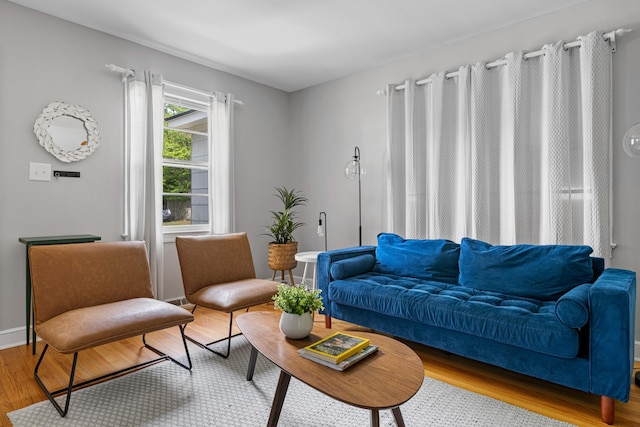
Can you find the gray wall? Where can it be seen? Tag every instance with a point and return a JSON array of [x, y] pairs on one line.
[[301, 140], [44, 59], [328, 120]]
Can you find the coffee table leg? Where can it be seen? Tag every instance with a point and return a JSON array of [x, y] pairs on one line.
[[375, 418], [252, 363], [278, 399], [398, 416]]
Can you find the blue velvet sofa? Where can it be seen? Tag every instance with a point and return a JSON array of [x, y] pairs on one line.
[[552, 312]]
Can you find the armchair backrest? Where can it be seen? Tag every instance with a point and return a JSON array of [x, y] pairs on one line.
[[214, 259], [71, 276]]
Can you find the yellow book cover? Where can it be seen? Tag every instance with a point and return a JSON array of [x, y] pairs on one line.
[[336, 347]]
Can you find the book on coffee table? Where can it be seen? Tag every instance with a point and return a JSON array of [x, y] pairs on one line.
[[336, 347], [349, 361]]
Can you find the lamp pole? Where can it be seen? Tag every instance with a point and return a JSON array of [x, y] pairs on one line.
[[357, 157], [354, 170]]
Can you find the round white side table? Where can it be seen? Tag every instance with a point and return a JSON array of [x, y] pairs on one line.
[[308, 258]]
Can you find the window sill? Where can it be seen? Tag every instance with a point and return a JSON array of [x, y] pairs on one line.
[[169, 233]]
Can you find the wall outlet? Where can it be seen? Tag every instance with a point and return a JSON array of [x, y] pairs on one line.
[[39, 171]]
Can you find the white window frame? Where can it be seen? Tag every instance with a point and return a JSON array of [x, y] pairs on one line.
[[171, 96]]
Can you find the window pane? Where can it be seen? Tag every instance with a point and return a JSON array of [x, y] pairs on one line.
[[177, 145], [185, 210], [177, 180], [185, 180], [190, 120], [187, 137]]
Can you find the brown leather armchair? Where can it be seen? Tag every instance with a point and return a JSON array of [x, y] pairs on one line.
[[89, 294], [218, 273]]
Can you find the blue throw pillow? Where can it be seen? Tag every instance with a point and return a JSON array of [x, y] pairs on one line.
[[423, 259], [572, 308], [543, 272], [352, 266]]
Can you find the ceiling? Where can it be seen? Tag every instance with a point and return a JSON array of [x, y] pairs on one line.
[[294, 44]]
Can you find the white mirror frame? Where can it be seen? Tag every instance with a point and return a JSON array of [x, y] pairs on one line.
[[57, 109]]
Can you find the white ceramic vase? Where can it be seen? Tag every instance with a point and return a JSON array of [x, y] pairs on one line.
[[296, 326]]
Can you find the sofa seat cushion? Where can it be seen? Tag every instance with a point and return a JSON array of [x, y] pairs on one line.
[[522, 322]]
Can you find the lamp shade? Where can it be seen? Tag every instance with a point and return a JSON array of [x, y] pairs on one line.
[[351, 170], [322, 227], [631, 141]]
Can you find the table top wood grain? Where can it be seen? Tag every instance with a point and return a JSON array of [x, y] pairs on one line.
[[384, 380]]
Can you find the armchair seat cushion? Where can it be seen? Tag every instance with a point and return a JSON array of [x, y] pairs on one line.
[[236, 295], [88, 327]]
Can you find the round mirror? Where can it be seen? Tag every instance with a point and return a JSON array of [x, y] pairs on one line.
[[69, 132]]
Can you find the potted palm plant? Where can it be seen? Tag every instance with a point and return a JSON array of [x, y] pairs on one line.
[[283, 247], [297, 304]]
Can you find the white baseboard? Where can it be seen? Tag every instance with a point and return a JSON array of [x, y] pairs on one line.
[[12, 338]]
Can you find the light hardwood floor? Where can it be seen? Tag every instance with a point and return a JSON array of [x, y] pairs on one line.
[[19, 389]]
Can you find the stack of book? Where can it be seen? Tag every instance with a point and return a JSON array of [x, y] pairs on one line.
[[338, 350]]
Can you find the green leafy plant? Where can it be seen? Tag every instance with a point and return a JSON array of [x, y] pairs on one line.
[[297, 299], [285, 221]]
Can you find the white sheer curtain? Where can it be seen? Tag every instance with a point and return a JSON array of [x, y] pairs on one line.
[[143, 167], [222, 204], [519, 153]]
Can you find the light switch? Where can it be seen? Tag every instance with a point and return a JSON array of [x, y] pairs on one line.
[[39, 171]]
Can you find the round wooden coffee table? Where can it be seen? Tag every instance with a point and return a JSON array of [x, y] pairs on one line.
[[384, 380]]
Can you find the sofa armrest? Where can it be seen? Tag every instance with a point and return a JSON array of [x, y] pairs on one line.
[[325, 259], [612, 303]]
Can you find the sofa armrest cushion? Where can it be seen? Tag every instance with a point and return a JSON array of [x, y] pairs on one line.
[[543, 272], [423, 259], [352, 266], [572, 308]]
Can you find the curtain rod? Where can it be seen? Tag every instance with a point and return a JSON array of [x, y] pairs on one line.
[[126, 72], [610, 36]]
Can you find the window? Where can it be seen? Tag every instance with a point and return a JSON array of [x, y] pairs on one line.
[[185, 161]]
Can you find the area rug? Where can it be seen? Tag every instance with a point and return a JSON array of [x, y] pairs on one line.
[[216, 393]]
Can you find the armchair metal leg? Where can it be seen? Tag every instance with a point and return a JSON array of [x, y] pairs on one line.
[[228, 338], [166, 356], [71, 386], [49, 394]]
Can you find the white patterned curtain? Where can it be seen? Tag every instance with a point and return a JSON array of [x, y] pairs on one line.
[[222, 206], [143, 168], [518, 153]]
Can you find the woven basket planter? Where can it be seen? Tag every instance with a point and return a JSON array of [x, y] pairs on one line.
[[282, 256]]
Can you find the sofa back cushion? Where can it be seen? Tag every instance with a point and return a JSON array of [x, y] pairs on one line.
[[423, 259], [543, 272]]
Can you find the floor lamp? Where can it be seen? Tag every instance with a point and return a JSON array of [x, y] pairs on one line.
[[353, 170], [631, 145]]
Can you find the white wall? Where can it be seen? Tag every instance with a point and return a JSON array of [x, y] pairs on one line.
[[328, 120], [44, 59]]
